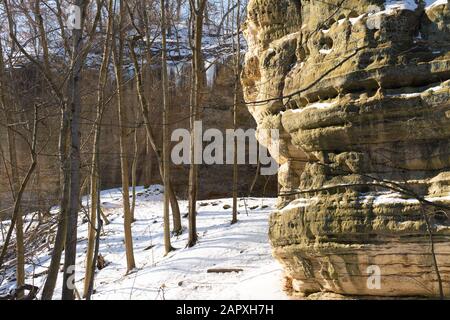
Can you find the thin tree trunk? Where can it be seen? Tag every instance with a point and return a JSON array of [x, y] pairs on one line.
[[197, 12], [118, 63], [50, 282], [20, 250], [433, 252], [166, 160], [192, 210], [237, 72], [68, 292], [93, 263], [95, 170], [255, 179]]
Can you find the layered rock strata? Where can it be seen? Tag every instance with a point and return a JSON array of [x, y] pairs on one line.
[[360, 92]]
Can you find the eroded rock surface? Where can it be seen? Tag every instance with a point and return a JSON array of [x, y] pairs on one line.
[[359, 90]]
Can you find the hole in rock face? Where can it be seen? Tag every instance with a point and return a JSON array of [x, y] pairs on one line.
[[353, 14], [320, 95], [326, 43], [268, 58], [441, 217], [341, 16], [365, 61], [370, 86], [302, 102], [371, 92], [329, 23], [292, 105]]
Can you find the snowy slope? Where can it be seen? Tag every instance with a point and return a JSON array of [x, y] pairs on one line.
[[183, 273]]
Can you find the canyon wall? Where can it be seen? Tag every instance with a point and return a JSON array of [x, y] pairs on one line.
[[215, 180], [359, 91]]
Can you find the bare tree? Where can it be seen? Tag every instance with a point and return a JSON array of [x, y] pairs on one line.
[[197, 9], [237, 75], [166, 154], [66, 131], [68, 292], [118, 52], [95, 167]]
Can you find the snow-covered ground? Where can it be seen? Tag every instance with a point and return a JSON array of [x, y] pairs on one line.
[[183, 273]]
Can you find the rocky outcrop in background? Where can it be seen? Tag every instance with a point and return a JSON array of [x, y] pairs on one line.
[[359, 90]]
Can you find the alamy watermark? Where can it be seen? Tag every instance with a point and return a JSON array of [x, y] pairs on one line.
[[213, 147], [374, 278], [73, 21], [70, 282]]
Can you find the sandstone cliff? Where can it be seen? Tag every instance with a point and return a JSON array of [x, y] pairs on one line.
[[215, 180], [359, 90]]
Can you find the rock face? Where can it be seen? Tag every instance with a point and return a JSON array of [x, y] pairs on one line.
[[359, 90], [215, 180]]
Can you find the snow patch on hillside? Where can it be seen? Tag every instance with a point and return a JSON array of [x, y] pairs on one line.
[[183, 273]]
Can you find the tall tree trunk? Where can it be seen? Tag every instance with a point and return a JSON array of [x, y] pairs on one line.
[[237, 72], [95, 169], [52, 275], [118, 63], [64, 137], [20, 250], [94, 190], [68, 290], [197, 13], [166, 159]]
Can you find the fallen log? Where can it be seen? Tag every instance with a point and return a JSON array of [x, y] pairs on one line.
[[222, 270]]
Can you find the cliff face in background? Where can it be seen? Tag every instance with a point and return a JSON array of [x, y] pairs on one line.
[[359, 90], [215, 180]]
